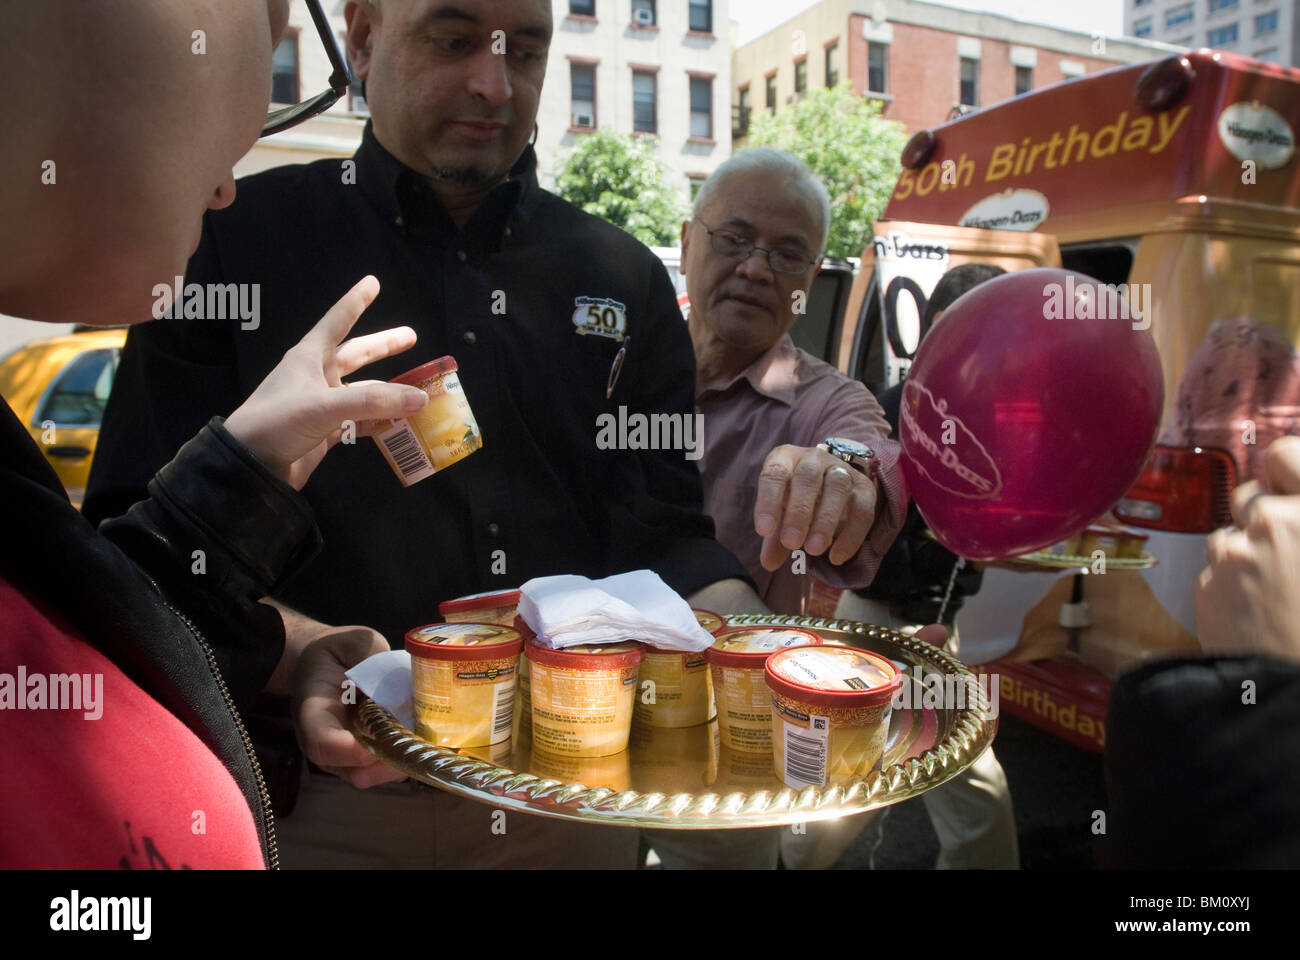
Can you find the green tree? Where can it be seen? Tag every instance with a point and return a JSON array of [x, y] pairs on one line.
[[621, 179], [854, 150]]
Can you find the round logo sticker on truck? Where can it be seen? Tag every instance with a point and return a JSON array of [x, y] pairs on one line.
[[1022, 210], [1251, 131]]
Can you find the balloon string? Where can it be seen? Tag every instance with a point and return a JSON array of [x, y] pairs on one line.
[[952, 580]]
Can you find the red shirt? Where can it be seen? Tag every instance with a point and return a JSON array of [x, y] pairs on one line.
[[97, 774]]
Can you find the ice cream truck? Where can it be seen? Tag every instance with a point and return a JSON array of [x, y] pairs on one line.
[[1176, 181]]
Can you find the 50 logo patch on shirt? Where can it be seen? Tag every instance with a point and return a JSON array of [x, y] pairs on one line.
[[600, 316]]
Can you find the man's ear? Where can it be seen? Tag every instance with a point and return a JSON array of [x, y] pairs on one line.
[[686, 243], [361, 17]]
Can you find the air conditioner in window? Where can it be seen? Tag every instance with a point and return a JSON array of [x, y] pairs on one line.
[[583, 120], [643, 17]]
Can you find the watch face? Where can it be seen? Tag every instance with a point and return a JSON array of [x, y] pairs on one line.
[[840, 445]]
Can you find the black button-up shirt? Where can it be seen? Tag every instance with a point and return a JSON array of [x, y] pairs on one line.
[[504, 296]]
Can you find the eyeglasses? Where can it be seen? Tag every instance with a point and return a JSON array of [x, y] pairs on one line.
[[282, 118], [736, 247]]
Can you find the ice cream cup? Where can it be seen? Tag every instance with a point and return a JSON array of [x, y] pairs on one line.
[[613, 772], [744, 703], [523, 697], [495, 606], [463, 682], [435, 437], [582, 698], [710, 621], [671, 761], [498, 753], [673, 689], [830, 713]]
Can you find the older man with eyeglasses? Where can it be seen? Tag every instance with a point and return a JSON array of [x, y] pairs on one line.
[[799, 475], [797, 458]]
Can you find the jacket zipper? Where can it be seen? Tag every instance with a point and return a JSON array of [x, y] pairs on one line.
[[272, 851]]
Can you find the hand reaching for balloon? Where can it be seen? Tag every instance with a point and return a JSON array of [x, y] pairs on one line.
[[811, 500], [1249, 596], [297, 413]]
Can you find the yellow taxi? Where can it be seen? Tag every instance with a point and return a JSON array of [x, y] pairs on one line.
[[58, 388]]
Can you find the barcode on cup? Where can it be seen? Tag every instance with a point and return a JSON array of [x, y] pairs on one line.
[[805, 753], [503, 710], [403, 451]]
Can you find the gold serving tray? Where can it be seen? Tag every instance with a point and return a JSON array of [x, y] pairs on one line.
[[683, 779], [1061, 561]]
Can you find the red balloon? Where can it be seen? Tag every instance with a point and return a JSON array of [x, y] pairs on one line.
[[1030, 409]]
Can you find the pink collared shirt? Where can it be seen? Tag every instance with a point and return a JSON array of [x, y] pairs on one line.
[[788, 396]]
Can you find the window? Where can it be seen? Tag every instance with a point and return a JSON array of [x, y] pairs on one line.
[[582, 78], [79, 397], [1140, 3], [1222, 36], [770, 102], [582, 8], [801, 77], [833, 65], [645, 110], [1266, 23], [970, 82], [1142, 28], [1218, 5], [741, 127], [1178, 15], [643, 13], [877, 67], [697, 181], [701, 108], [701, 16], [1182, 42], [1270, 55], [284, 69], [1024, 80]]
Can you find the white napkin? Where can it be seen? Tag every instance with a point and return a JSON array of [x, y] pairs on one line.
[[568, 611], [386, 679]]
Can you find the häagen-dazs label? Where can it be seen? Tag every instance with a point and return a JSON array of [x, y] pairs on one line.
[[943, 449]]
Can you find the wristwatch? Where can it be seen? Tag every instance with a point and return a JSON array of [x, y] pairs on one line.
[[855, 454]]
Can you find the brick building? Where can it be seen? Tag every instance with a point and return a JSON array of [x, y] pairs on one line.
[[922, 61]]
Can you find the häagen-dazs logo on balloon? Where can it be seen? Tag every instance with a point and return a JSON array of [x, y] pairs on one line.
[[943, 449], [1022, 210], [1251, 131]]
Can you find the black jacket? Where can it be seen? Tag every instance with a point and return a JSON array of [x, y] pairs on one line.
[[502, 295], [1203, 765], [198, 643]]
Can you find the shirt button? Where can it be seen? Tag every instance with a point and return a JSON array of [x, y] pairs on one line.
[[462, 256], [493, 529], [509, 233], [399, 221], [470, 337]]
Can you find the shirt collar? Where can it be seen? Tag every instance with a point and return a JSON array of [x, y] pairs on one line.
[[404, 198], [774, 374]]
